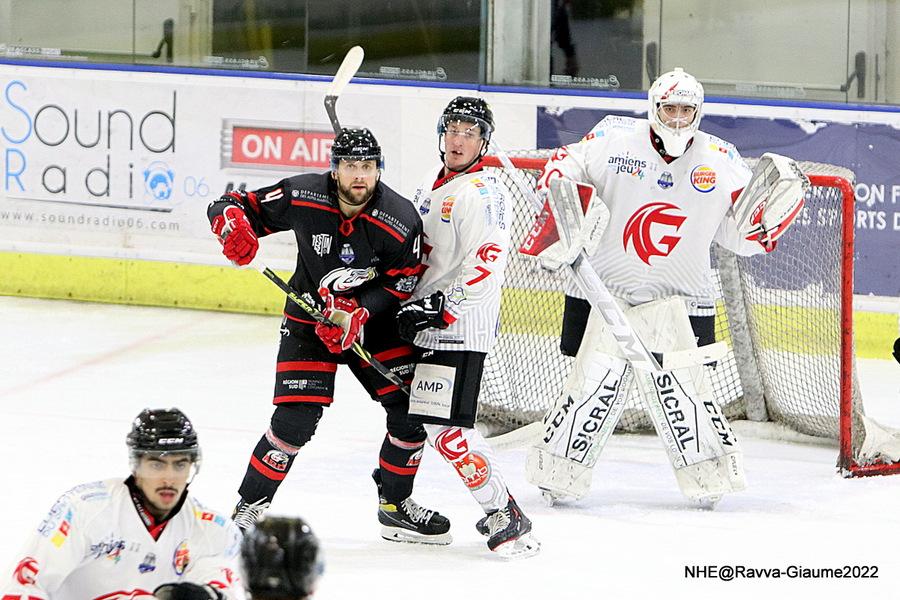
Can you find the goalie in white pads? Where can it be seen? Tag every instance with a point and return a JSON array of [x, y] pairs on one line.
[[454, 314], [670, 190]]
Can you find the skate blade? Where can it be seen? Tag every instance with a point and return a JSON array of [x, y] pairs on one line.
[[707, 502], [521, 547], [396, 534], [550, 499]]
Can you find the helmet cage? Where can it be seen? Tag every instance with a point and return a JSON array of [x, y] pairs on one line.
[[674, 88]]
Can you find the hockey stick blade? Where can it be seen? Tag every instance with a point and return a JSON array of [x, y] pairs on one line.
[[309, 307], [345, 73]]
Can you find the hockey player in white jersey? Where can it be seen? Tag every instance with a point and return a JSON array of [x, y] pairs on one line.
[[117, 539], [453, 317], [670, 191]]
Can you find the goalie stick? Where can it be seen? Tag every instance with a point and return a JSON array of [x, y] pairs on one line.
[[308, 306], [345, 73]]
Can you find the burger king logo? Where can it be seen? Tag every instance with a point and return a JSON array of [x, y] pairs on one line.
[[703, 179]]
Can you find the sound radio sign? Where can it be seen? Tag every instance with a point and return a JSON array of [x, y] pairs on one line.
[[276, 146]]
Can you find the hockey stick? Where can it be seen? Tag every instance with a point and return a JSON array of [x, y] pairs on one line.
[[312, 310], [344, 74]]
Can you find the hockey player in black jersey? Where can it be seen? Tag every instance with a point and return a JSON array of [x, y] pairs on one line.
[[359, 249]]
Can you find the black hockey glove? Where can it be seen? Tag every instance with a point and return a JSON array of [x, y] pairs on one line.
[[421, 314], [187, 591]]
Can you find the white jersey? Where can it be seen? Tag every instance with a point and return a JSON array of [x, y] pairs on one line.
[[466, 225], [663, 217], [94, 545]]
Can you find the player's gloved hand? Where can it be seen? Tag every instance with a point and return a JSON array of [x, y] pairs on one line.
[[187, 591], [239, 241], [348, 318], [421, 314]]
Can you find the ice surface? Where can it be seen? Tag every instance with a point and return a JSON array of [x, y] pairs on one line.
[[73, 375]]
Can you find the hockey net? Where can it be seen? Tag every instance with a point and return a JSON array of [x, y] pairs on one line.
[[786, 317]]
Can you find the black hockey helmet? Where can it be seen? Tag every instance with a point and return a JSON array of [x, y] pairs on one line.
[[468, 110], [282, 559], [160, 431], [355, 144]]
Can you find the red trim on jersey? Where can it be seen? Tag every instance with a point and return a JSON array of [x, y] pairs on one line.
[[398, 352], [484, 273], [400, 295], [266, 471], [299, 320], [394, 233], [330, 209], [312, 399], [408, 270], [386, 390], [442, 179], [735, 194], [397, 470], [306, 365], [448, 318]]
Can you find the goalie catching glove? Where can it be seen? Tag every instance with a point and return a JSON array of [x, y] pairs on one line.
[[239, 241], [569, 223], [347, 320], [420, 315], [771, 200]]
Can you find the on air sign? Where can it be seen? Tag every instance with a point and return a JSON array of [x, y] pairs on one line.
[[273, 146]]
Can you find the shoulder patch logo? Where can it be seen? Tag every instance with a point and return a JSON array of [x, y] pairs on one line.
[[638, 230]]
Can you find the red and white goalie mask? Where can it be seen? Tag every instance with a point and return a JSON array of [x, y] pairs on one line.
[[675, 102]]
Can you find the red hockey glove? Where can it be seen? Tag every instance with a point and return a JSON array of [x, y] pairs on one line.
[[239, 242], [348, 318]]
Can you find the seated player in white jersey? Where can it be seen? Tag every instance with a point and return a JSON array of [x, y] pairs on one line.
[[123, 538], [670, 191], [454, 313]]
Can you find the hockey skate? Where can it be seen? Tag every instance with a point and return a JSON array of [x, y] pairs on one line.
[[509, 532], [246, 515], [406, 521]]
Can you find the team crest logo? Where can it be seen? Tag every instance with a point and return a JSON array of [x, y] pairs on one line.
[[489, 252], [321, 243], [345, 279], [639, 226], [347, 254], [425, 207], [276, 459], [665, 180], [703, 179]]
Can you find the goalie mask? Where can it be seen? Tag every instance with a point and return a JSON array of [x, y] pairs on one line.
[[674, 114], [473, 112]]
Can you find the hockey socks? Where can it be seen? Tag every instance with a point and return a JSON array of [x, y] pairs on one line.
[[269, 464], [398, 462]]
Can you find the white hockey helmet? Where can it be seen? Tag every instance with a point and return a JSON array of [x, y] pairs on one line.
[[675, 87]]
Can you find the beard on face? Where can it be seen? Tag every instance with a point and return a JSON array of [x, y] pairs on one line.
[[355, 197]]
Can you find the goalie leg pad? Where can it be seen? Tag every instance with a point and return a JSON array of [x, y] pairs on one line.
[[697, 437], [578, 426]]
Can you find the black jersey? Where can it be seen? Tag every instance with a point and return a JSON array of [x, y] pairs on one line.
[[374, 257]]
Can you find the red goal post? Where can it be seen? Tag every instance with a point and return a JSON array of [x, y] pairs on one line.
[[787, 318]]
